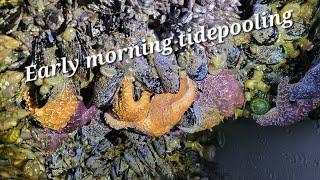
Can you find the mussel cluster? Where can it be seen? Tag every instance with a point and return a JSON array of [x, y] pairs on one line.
[[107, 154], [133, 118]]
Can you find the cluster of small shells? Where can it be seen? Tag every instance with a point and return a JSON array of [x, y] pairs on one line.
[[133, 91], [89, 154]]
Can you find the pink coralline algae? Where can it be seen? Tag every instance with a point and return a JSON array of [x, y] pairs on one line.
[[218, 96], [287, 112], [222, 92]]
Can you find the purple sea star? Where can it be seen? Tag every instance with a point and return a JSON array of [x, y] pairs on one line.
[[308, 87], [287, 112], [81, 117]]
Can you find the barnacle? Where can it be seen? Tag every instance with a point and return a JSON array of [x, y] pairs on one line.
[[165, 111], [56, 113], [268, 54], [212, 12]]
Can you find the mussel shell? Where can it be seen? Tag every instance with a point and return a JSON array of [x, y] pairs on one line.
[[269, 54], [167, 68], [10, 21], [298, 29], [105, 89], [266, 36], [197, 69], [144, 75]]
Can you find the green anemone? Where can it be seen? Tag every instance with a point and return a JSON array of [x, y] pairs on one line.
[[259, 106]]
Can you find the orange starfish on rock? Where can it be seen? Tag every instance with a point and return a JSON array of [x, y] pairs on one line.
[[56, 113], [164, 110], [126, 107]]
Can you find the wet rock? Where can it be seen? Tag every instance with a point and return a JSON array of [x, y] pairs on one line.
[[266, 36], [298, 30], [268, 54]]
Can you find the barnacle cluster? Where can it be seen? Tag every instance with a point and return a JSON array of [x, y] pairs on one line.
[[144, 117]]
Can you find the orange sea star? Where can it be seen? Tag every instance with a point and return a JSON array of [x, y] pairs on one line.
[[127, 108], [56, 113], [165, 111]]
